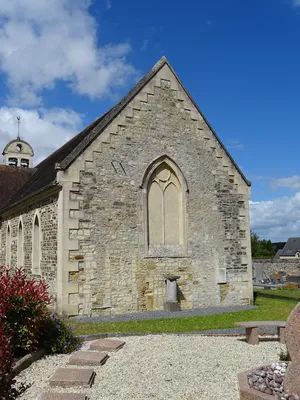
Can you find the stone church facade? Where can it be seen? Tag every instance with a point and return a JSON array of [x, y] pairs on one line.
[[147, 193]]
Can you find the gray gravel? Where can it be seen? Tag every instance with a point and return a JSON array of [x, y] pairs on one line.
[[175, 367], [164, 314]]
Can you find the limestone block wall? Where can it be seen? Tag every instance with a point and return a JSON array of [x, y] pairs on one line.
[[47, 213], [265, 267], [108, 267]]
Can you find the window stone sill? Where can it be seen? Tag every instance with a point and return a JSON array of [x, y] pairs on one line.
[[167, 251]]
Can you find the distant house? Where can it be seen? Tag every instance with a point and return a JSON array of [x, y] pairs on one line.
[[290, 250]]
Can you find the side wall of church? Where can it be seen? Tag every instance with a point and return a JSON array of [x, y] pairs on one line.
[[108, 265], [46, 210]]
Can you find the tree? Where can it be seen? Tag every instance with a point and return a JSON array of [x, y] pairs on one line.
[[261, 248]]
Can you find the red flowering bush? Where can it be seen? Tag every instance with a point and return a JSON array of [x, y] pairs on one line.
[[23, 304]]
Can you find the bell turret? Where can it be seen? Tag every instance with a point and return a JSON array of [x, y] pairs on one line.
[[18, 153]]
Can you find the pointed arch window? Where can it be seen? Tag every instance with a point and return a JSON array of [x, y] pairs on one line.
[[36, 246], [164, 207], [165, 190], [8, 246], [20, 245]]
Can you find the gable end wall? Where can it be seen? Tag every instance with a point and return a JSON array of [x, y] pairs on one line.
[[103, 267]]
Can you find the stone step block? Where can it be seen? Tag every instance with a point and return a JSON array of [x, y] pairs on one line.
[[88, 358], [68, 377], [63, 396], [107, 345]]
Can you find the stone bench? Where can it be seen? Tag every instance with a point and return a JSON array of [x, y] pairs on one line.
[[252, 329]]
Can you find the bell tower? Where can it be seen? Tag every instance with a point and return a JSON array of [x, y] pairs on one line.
[[18, 153]]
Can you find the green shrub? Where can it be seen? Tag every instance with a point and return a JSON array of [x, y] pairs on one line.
[[58, 336], [284, 356], [9, 390]]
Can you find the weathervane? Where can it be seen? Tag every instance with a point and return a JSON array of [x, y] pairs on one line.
[[18, 122]]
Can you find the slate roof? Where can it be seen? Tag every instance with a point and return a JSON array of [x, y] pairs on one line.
[[11, 180], [291, 247], [45, 175], [277, 255]]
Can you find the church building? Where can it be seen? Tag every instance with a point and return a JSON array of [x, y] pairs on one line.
[[144, 209]]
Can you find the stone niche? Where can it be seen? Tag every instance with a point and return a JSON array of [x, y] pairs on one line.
[[172, 303]]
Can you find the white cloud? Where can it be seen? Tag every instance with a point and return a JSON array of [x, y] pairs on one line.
[[292, 183], [45, 41], [297, 3], [235, 144], [45, 130], [144, 45], [108, 4], [276, 219]]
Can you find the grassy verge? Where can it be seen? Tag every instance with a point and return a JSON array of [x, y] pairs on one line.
[[293, 294], [268, 309]]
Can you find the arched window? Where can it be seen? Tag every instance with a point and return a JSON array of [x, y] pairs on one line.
[[164, 207], [164, 194], [8, 246], [20, 245], [36, 246]]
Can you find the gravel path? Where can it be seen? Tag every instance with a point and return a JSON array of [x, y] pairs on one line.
[[160, 367], [138, 316]]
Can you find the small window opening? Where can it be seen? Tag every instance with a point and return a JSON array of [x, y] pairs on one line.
[[8, 247], [24, 163], [20, 246], [13, 162], [36, 246]]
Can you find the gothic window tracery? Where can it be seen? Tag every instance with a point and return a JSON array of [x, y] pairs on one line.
[[164, 207]]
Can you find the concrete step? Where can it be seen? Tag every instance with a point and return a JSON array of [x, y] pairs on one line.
[[88, 358], [107, 345], [68, 377], [63, 396]]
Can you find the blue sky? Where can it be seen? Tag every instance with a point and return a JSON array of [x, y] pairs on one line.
[[64, 62]]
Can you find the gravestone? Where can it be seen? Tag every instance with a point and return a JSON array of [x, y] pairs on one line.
[[292, 338]]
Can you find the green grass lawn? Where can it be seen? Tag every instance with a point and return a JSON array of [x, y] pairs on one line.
[[278, 292], [268, 309]]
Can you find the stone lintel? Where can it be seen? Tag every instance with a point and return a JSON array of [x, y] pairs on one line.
[[172, 277]]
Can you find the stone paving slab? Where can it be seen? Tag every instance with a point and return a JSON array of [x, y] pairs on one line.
[[68, 377], [107, 344], [63, 396], [145, 315], [88, 358]]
